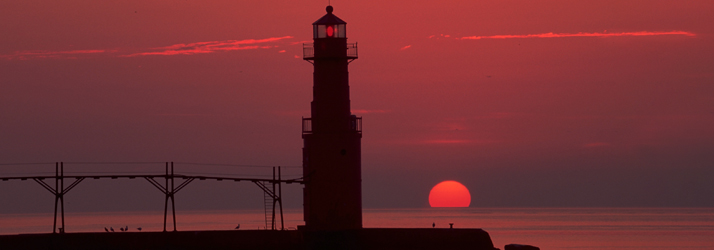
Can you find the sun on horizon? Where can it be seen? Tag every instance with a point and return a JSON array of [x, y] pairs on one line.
[[449, 194]]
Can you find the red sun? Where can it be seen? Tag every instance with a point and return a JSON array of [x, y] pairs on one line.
[[449, 194]]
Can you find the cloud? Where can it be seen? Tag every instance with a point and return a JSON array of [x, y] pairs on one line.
[[210, 47], [405, 47], [32, 54], [582, 34], [301, 42], [439, 36], [176, 49]]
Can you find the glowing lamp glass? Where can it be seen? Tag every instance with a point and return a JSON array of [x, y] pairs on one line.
[[329, 31]]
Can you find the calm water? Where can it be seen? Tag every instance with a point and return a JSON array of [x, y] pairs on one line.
[[548, 228]]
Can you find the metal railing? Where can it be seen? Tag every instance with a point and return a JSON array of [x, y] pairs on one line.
[[308, 51], [352, 50], [306, 125], [355, 125]]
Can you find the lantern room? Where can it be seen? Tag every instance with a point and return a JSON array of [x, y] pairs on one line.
[[329, 26]]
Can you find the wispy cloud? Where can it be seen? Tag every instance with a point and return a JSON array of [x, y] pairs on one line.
[[583, 34], [210, 47], [405, 47], [301, 42], [176, 49], [32, 54]]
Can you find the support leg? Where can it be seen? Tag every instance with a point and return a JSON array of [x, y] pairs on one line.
[[166, 201], [61, 193], [272, 220], [62, 206], [280, 200], [173, 207], [173, 204], [54, 225], [166, 209]]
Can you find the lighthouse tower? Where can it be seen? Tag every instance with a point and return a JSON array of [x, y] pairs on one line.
[[332, 150]]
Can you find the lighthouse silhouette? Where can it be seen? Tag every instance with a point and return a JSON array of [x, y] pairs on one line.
[[332, 198], [332, 136]]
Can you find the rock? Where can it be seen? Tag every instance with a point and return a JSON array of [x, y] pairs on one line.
[[520, 247]]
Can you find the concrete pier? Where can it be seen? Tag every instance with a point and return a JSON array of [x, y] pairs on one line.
[[367, 239]]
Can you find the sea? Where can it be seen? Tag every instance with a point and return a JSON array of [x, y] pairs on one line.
[[547, 228]]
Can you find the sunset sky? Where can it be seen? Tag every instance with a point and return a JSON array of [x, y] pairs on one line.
[[527, 103]]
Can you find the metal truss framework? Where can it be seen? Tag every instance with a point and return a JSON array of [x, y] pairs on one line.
[[272, 189]]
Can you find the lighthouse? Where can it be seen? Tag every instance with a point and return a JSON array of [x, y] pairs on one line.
[[332, 198]]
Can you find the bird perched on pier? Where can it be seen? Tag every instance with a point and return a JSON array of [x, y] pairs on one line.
[[126, 228], [433, 224], [106, 230], [112, 229], [138, 228], [121, 229], [238, 226]]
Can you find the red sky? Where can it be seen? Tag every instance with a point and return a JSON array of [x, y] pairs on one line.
[[527, 103]]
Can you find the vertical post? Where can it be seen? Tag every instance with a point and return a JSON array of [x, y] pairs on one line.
[[173, 204], [166, 201], [280, 197], [272, 221], [54, 225], [61, 193]]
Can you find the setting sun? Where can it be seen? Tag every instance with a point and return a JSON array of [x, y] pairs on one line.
[[449, 194]]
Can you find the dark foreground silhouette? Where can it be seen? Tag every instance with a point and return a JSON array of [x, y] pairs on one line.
[[370, 238]]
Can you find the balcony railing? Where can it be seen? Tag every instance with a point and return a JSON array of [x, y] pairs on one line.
[[355, 125], [308, 51], [306, 125], [352, 50]]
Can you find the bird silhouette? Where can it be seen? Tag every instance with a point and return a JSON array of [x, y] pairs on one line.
[[126, 228], [106, 230], [121, 229], [433, 224], [238, 226], [138, 228], [112, 229]]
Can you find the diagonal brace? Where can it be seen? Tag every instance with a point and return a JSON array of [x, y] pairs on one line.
[[182, 185], [156, 184], [46, 186], [266, 189], [74, 184]]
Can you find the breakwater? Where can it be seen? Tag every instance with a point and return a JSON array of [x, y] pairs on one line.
[[368, 238]]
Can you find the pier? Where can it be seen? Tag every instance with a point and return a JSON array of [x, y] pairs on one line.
[[168, 183], [367, 238]]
